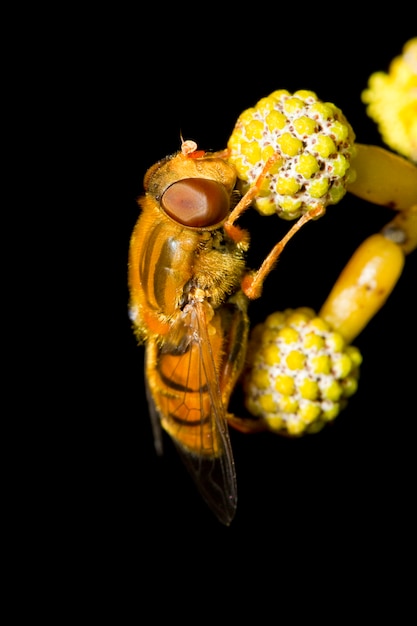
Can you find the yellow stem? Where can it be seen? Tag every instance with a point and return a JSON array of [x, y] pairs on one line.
[[363, 286], [384, 178]]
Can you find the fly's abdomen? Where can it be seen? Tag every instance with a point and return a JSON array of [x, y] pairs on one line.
[[183, 396]]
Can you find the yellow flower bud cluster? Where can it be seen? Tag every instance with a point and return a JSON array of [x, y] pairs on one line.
[[392, 102], [300, 372], [311, 144]]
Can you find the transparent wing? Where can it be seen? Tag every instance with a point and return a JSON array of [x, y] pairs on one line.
[[155, 420], [192, 403]]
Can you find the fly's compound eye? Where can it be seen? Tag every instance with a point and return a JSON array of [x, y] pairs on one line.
[[196, 202]]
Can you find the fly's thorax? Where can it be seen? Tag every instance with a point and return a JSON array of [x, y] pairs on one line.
[[218, 268]]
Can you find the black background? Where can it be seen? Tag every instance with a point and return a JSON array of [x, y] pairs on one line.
[[344, 492]]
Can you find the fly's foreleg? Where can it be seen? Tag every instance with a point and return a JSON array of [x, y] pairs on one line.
[[253, 282]]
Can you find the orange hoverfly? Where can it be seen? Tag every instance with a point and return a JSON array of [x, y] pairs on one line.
[[189, 291]]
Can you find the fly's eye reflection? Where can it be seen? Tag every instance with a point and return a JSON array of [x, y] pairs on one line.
[[196, 202]]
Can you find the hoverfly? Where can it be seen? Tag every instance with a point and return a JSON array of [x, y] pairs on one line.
[[189, 293]]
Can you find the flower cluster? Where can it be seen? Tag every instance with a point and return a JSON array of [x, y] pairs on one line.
[[300, 372], [300, 153], [310, 144], [391, 100]]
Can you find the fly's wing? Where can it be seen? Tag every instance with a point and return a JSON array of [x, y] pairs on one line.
[[215, 480], [214, 476], [155, 420], [190, 409]]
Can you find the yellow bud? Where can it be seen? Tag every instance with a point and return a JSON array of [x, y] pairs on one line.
[[267, 403], [316, 426], [291, 105], [287, 186], [342, 366], [321, 364], [260, 379], [275, 424], [253, 405], [266, 206], [295, 360], [333, 391], [354, 355], [336, 193], [275, 120], [331, 412], [319, 324], [275, 320], [289, 335], [307, 165], [241, 166], [246, 116], [285, 385], [313, 341], [305, 94], [271, 354], [252, 151], [321, 110], [339, 130], [289, 204], [269, 335], [350, 386], [254, 129], [267, 152], [295, 427], [335, 342], [309, 411], [279, 94], [289, 145], [264, 105], [297, 318], [305, 125], [325, 146], [318, 188], [339, 166], [309, 389], [288, 404], [234, 142], [307, 311]]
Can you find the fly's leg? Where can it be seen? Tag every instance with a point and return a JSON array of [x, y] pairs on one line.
[[246, 200], [253, 282]]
